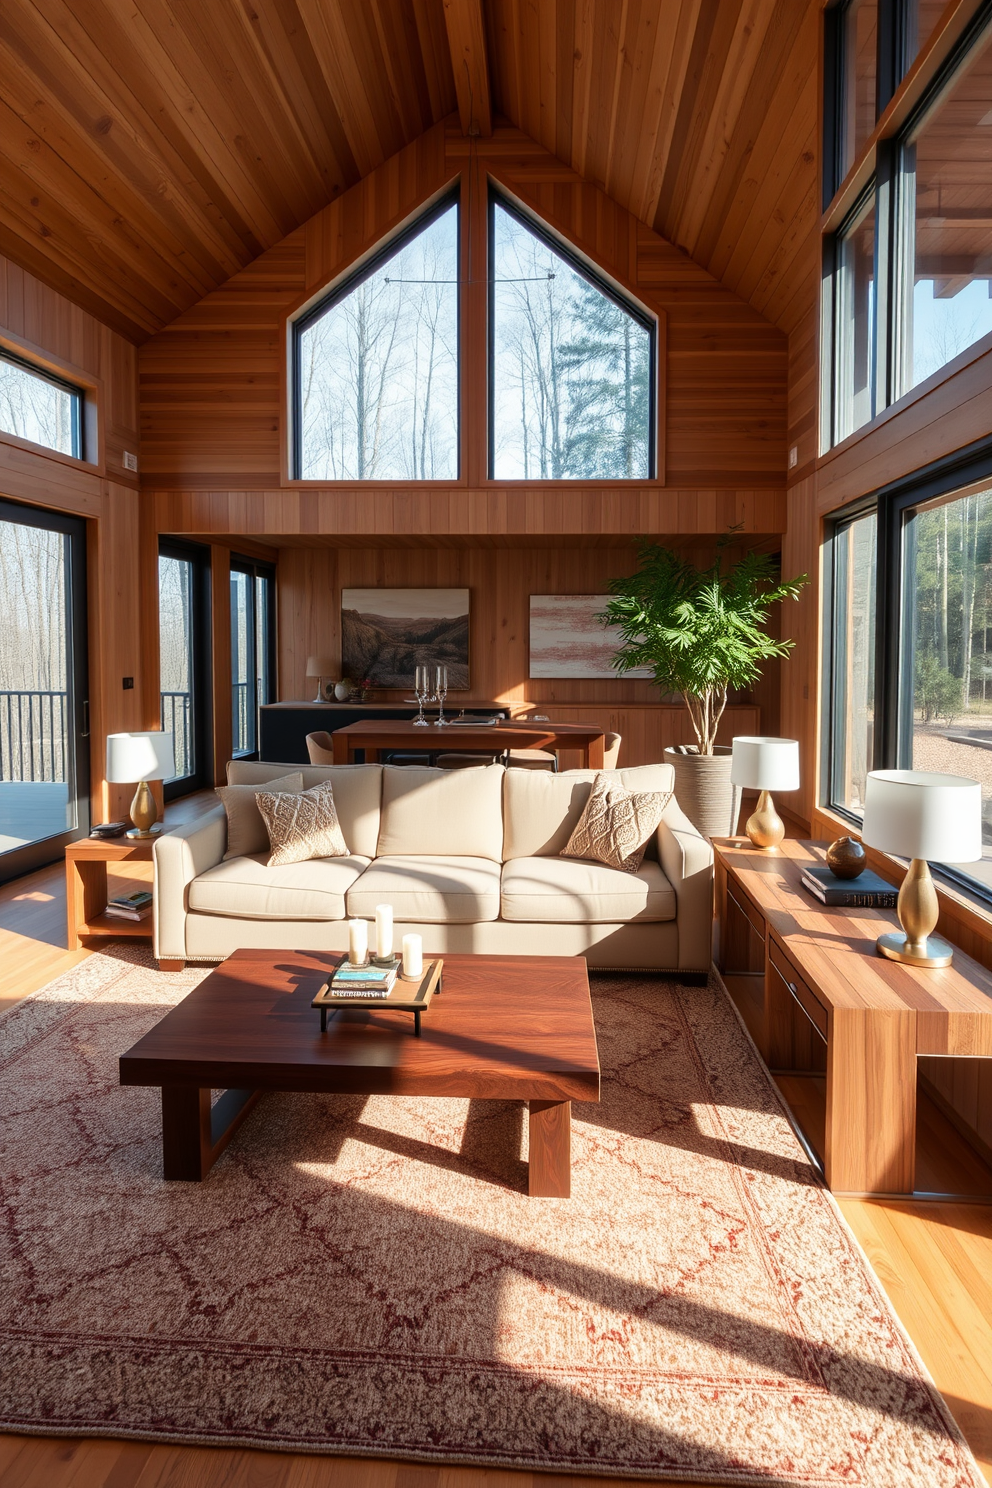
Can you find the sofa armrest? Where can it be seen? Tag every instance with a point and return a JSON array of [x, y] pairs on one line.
[[179, 856], [687, 862]]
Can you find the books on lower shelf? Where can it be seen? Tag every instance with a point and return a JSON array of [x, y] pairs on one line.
[[136, 906], [867, 891]]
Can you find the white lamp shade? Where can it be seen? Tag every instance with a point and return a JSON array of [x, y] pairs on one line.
[[134, 757], [765, 764], [320, 666], [920, 814]]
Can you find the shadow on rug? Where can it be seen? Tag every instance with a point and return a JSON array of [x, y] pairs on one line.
[[365, 1275]]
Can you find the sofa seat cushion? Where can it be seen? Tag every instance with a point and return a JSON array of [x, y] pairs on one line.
[[578, 891], [431, 890], [248, 889]]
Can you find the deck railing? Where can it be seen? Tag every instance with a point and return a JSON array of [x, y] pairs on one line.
[[177, 720], [243, 717], [33, 734]]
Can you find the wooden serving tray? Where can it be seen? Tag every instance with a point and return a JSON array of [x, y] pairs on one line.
[[404, 997]]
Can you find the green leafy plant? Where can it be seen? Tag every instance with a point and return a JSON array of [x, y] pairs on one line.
[[700, 631]]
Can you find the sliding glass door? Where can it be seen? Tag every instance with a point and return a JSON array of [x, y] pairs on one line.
[[44, 756], [184, 662], [252, 650]]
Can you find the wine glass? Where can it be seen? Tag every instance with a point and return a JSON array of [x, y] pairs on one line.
[[421, 688], [440, 693]]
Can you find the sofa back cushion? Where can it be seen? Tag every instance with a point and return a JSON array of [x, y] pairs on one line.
[[441, 813], [357, 792], [541, 809]]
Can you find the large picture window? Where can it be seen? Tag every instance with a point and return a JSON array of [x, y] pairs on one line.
[[915, 693], [909, 273], [41, 408], [376, 365], [945, 184], [572, 371], [854, 324]]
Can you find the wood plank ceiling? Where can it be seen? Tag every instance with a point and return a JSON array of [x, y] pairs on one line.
[[149, 151]]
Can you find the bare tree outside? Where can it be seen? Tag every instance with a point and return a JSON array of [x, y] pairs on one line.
[[379, 369], [571, 368], [33, 408]]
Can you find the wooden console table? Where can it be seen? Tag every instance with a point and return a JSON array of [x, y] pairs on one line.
[[832, 1006]]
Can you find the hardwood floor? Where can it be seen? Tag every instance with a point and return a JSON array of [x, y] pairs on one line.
[[934, 1260]]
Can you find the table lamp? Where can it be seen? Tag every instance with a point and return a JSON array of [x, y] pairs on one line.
[[320, 667], [765, 765], [918, 814], [141, 757]]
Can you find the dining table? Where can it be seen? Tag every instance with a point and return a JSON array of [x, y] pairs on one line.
[[376, 735]]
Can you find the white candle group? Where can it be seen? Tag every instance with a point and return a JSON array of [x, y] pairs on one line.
[[413, 957], [383, 931], [358, 942]]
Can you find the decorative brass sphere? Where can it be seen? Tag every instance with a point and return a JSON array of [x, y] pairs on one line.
[[846, 858]]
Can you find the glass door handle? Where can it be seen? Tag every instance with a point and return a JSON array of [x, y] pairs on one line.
[[85, 730]]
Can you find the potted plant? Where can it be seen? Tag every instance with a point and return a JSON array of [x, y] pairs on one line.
[[702, 633]]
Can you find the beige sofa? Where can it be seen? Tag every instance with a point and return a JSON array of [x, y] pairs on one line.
[[468, 858]]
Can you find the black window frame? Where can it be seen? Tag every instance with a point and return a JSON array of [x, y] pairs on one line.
[[76, 394], [592, 276], [894, 659], [257, 569], [385, 250], [895, 225], [202, 776], [32, 855]]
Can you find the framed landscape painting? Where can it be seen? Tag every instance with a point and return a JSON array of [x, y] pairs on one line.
[[387, 633], [567, 641]]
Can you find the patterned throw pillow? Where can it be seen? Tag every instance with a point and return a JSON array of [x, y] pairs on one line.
[[615, 826], [302, 826]]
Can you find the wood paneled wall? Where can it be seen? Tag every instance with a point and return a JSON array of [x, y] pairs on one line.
[[213, 390], [500, 581], [45, 326]]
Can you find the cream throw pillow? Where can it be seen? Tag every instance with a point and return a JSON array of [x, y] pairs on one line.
[[246, 831], [615, 826], [302, 826]]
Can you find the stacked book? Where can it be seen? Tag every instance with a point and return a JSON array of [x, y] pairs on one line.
[[867, 891], [136, 906], [363, 981]]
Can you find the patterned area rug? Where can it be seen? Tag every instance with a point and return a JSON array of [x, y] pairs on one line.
[[367, 1276]]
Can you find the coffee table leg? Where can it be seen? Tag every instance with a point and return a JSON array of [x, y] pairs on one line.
[[193, 1134], [550, 1174]]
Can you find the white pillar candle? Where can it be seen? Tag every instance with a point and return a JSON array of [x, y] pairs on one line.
[[413, 957], [358, 942], [384, 931]]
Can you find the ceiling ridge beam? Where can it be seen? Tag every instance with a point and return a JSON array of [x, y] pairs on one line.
[[467, 43]]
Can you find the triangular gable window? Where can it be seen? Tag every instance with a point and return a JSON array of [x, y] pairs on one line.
[[572, 365], [376, 365]]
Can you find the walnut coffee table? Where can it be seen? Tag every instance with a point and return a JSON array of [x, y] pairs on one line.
[[505, 1028]]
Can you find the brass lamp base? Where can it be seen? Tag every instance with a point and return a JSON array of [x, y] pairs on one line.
[[932, 952], [765, 827], [918, 912], [144, 813]]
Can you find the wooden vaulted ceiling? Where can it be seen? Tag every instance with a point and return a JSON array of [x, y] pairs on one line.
[[149, 151]]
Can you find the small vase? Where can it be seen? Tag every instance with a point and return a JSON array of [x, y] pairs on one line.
[[342, 691]]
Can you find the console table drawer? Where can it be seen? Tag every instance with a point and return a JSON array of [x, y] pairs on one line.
[[807, 1000], [742, 903]]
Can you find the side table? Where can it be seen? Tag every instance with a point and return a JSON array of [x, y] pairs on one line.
[[86, 888]]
